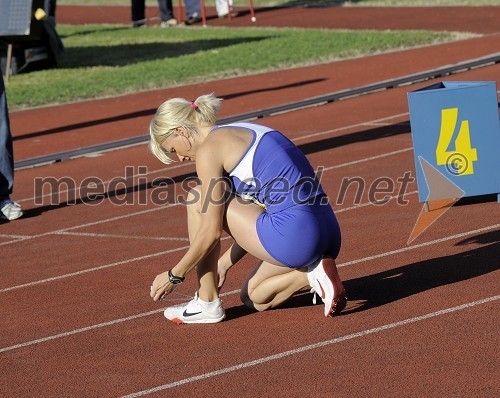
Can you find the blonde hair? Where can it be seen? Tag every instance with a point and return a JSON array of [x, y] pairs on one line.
[[179, 112]]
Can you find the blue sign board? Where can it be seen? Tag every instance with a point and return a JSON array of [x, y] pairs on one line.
[[455, 128]]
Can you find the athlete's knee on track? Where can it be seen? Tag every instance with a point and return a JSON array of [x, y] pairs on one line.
[[248, 298]]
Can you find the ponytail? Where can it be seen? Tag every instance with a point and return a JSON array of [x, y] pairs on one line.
[[178, 112]]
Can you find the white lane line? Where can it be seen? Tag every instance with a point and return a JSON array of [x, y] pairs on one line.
[[223, 294], [389, 198], [384, 124], [14, 236], [362, 124], [383, 155], [92, 235], [336, 130], [92, 327], [137, 213], [310, 347], [85, 271], [76, 331]]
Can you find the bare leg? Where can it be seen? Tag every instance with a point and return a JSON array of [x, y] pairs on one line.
[[270, 285]]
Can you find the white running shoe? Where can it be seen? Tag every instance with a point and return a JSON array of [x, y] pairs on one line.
[[10, 210], [325, 281], [196, 311], [169, 23]]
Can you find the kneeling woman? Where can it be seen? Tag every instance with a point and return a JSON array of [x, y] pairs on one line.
[[275, 209]]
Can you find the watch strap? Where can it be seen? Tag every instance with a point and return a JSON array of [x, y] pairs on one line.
[[175, 279]]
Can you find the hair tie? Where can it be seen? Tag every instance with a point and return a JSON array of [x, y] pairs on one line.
[[194, 106]]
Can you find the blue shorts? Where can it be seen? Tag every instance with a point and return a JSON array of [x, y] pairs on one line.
[[300, 235]]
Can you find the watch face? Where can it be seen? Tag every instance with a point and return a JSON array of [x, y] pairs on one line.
[[174, 279]]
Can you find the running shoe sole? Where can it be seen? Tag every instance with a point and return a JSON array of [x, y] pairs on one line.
[[338, 303]]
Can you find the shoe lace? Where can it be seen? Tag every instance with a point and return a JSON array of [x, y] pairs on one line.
[[314, 295]]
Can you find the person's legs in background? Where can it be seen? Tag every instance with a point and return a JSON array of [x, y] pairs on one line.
[[193, 11], [167, 13], [8, 209], [138, 13], [50, 8]]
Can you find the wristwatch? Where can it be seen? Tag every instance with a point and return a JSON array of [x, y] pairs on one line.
[[175, 280]]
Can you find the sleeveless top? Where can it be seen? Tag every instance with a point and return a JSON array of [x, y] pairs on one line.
[[273, 172]]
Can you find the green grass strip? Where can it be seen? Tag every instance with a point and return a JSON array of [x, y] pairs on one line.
[[105, 60]]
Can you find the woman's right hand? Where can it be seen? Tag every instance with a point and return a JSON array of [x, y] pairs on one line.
[[161, 286]]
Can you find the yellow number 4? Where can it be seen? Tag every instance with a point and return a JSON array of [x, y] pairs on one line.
[[461, 160]]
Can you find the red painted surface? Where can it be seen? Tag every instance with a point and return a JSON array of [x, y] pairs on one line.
[[65, 268]]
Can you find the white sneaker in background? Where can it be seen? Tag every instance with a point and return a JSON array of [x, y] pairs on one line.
[[170, 23], [10, 210], [222, 7], [196, 311]]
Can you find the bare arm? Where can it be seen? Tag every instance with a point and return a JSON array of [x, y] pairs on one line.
[[210, 169]]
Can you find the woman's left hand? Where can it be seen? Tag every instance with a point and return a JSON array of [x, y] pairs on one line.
[[161, 286]]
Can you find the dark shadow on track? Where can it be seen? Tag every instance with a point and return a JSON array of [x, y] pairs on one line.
[[267, 89], [165, 193], [238, 312], [477, 199], [388, 286], [301, 299], [151, 112], [90, 123], [359, 136]]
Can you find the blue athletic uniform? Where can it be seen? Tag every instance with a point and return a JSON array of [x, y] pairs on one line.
[[298, 226]]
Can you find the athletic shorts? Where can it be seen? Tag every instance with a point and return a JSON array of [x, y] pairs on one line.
[[299, 235]]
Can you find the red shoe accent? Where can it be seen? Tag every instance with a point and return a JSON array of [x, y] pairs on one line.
[[339, 301], [338, 305], [178, 321]]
